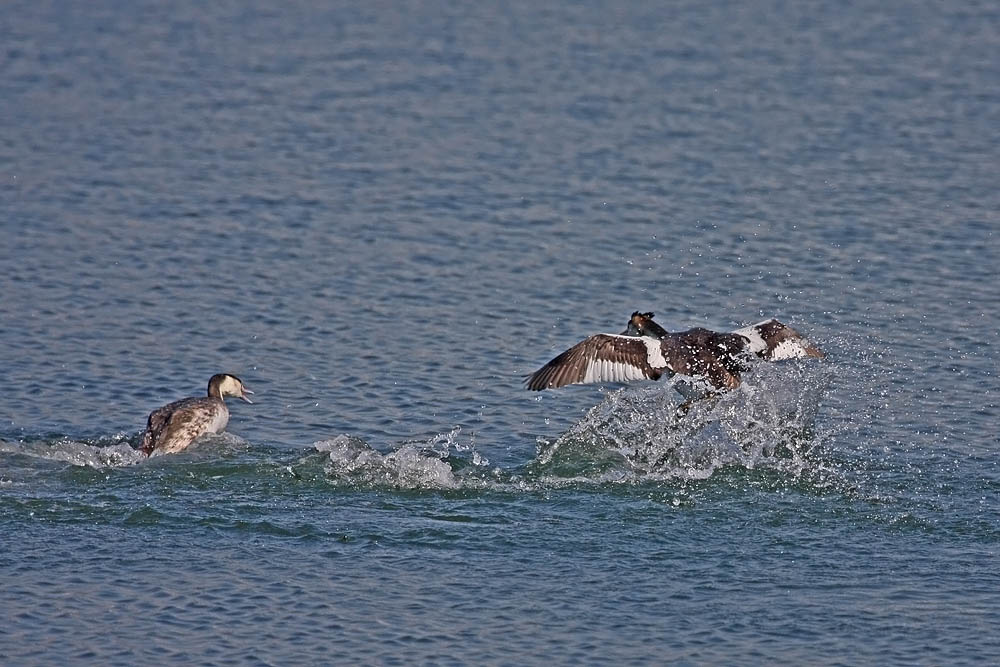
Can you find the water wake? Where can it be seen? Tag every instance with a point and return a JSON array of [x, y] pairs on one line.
[[432, 464], [635, 436], [112, 452], [116, 451]]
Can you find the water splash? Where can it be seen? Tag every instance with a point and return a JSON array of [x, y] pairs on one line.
[[634, 436], [638, 434], [115, 451], [112, 452], [431, 464]]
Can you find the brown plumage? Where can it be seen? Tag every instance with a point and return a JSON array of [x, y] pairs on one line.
[[772, 334], [176, 425], [623, 358], [645, 350]]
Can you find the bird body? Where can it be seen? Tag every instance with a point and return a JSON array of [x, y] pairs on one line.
[[173, 427], [645, 350]]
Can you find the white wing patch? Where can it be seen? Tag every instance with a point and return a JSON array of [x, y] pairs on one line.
[[606, 370], [757, 344], [788, 349], [654, 353], [603, 370], [602, 358]]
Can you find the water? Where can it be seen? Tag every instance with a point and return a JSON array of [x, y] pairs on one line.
[[383, 217]]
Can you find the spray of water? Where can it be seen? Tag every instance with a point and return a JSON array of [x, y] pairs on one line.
[[638, 433], [429, 464]]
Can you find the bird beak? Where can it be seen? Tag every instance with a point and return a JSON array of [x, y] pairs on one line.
[[244, 395]]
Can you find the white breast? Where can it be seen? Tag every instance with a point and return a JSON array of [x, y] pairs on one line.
[[219, 420]]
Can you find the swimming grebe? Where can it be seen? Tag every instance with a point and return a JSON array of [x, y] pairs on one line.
[[176, 425]]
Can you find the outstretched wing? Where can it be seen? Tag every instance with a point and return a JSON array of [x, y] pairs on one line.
[[774, 341], [601, 358]]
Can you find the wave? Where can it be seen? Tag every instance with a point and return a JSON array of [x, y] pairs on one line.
[[636, 435], [110, 452], [431, 464]]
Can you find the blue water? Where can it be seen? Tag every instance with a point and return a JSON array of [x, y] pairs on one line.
[[382, 217]]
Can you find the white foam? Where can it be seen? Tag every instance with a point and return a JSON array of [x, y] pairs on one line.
[[637, 434], [412, 465], [77, 453]]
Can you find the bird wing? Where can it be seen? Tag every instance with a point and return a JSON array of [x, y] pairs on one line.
[[601, 358], [163, 422], [774, 341], [155, 424]]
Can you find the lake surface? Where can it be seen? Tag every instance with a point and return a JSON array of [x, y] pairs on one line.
[[383, 216]]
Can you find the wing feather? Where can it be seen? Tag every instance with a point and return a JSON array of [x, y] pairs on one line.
[[600, 358], [172, 427], [157, 424]]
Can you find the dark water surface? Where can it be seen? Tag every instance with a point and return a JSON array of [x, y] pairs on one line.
[[382, 216]]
